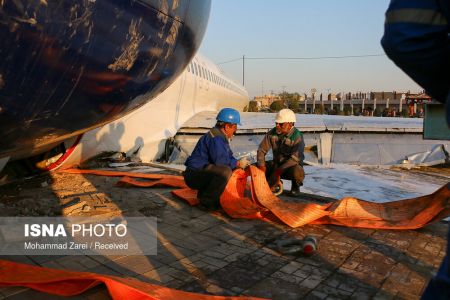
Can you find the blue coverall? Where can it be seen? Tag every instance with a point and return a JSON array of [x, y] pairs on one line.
[[417, 39], [209, 167]]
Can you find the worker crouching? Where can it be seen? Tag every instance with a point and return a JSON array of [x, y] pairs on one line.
[[209, 167], [287, 146]]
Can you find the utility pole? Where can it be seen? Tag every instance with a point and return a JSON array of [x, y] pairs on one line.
[[328, 93], [283, 87], [262, 88], [313, 95], [243, 70]]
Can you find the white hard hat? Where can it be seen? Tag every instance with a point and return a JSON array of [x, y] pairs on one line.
[[285, 116]]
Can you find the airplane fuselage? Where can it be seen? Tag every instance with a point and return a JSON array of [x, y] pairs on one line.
[[201, 87]]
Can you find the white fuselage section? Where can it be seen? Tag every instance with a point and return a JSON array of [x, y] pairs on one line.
[[201, 87]]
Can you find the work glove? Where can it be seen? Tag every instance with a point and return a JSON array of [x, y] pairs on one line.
[[276, 186], [243, 163], [278, 172], [275, 177]]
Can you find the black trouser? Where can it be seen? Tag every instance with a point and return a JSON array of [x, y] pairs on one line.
[[294, 173], [210, 183]]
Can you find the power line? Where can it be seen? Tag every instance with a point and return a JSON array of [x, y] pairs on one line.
[[229, 61], [305, 58], [319, 57]]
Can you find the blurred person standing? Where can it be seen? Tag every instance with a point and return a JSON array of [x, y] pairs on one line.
[[416, 38]]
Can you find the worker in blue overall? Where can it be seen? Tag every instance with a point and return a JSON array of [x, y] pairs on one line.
[[209, 167], [416, 38], [287, 145]]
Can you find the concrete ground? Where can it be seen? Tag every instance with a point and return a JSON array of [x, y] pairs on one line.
[[209, 253]]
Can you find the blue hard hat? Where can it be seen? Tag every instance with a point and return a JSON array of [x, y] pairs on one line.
[[229, 115]]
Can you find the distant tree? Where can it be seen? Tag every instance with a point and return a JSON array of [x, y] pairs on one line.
[[277, 106], [289, 98], [333, 111], [253, 106], [404, 113], [347, 110], [378, 112], [294, 105], [318, 110], [284, 96]]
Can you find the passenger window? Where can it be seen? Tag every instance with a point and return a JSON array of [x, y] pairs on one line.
[[195, 69]]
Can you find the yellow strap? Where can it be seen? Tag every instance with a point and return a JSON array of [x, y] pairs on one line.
[[415, 15]]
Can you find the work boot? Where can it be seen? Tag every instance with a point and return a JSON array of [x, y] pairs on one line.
[[295, 189], [208, 205]]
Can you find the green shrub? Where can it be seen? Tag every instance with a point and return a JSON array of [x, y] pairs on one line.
[[252, 106], [277, 106]]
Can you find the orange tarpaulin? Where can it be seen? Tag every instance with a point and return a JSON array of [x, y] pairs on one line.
[[124, 174], [253, 199], [128, 178], [175, 181], [351, 212], [68, 283]]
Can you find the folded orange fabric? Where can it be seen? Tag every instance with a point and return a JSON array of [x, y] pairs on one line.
[[254, 199], [403, 214], [176, 181], [68, 283]]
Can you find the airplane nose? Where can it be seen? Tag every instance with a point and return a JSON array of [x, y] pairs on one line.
[[75, 65]]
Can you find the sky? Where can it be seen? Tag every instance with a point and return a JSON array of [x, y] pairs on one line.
[[303, 29]]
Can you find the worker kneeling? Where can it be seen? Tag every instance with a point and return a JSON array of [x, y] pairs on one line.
[[209, 167], [288, 147]]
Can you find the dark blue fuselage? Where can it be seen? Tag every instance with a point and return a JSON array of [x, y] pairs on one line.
[[69, 66]]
